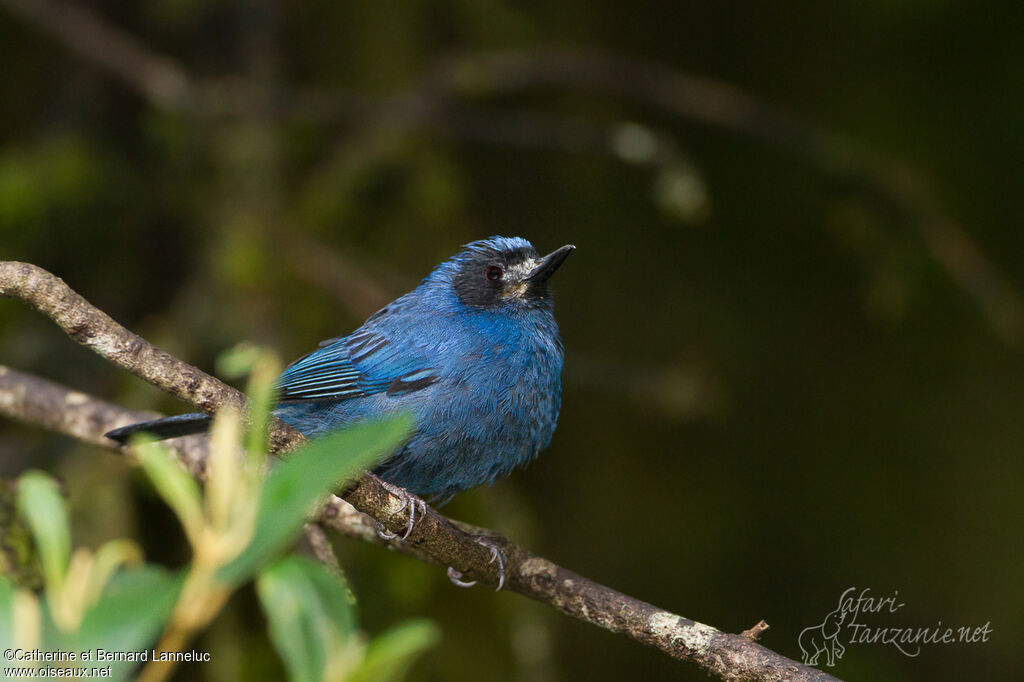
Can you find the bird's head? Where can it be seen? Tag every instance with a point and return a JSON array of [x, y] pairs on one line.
[[502, 272]]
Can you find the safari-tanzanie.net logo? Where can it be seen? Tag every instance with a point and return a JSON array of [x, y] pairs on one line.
[[850, 624]]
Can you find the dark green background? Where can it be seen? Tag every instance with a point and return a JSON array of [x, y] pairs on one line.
[[770, 396]]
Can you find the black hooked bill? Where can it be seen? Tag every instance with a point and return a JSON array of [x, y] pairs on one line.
[[549, 263]]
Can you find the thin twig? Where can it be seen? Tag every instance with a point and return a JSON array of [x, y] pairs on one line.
[[756, 631], [319, 546], [434, 538]]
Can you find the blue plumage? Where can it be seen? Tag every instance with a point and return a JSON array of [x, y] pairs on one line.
[[473, 352]]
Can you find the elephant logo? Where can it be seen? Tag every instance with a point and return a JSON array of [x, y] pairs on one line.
[[823, 638]]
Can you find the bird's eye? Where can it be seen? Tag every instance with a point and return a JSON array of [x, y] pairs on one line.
[[494, 273]]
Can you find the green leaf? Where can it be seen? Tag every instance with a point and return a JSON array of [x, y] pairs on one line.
[[310, 617], [391, 654], [132, 609], [6, 613], [262, 391], [238, 361], [41, 504], [262, 366], [175, 485], [129, 616], [298, 482]]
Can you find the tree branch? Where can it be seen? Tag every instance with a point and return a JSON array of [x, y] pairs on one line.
[[435, 538]]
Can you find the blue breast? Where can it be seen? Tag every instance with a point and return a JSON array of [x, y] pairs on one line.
[[484, 387]]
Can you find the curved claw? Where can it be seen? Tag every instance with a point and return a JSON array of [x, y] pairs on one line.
[[384, 534], [411, 523], [455, 577], [496, 555], [410, 502]]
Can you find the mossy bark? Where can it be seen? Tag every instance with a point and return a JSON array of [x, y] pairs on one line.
[[19, 561]]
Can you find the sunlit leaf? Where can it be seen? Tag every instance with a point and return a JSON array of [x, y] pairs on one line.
[[310, 618], [6, 613], [41, 504], [262, 367], [175, 485], [108, 560], [129, 616], [298, 482], [390, 655]]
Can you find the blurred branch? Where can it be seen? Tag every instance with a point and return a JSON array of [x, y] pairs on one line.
[[725, 106], [159, 79], [347, 282], [318, 544], [535, 130], [431, 103], [678, 391], [434, 538], [166, 85], [40, 402]]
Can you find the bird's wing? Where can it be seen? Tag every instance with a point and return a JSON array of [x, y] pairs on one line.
[[359, 365]]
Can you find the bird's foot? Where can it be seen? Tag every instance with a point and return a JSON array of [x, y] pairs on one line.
[[410, 502], [496, 556]]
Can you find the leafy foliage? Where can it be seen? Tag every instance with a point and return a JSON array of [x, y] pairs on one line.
[[247, 516], [295, 485]]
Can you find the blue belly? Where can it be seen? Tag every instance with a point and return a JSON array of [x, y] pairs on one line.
[[464, 437]]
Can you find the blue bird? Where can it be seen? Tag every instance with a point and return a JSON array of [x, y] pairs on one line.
[[473, 352]]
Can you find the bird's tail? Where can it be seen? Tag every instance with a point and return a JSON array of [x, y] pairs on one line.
[[168, 427]]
